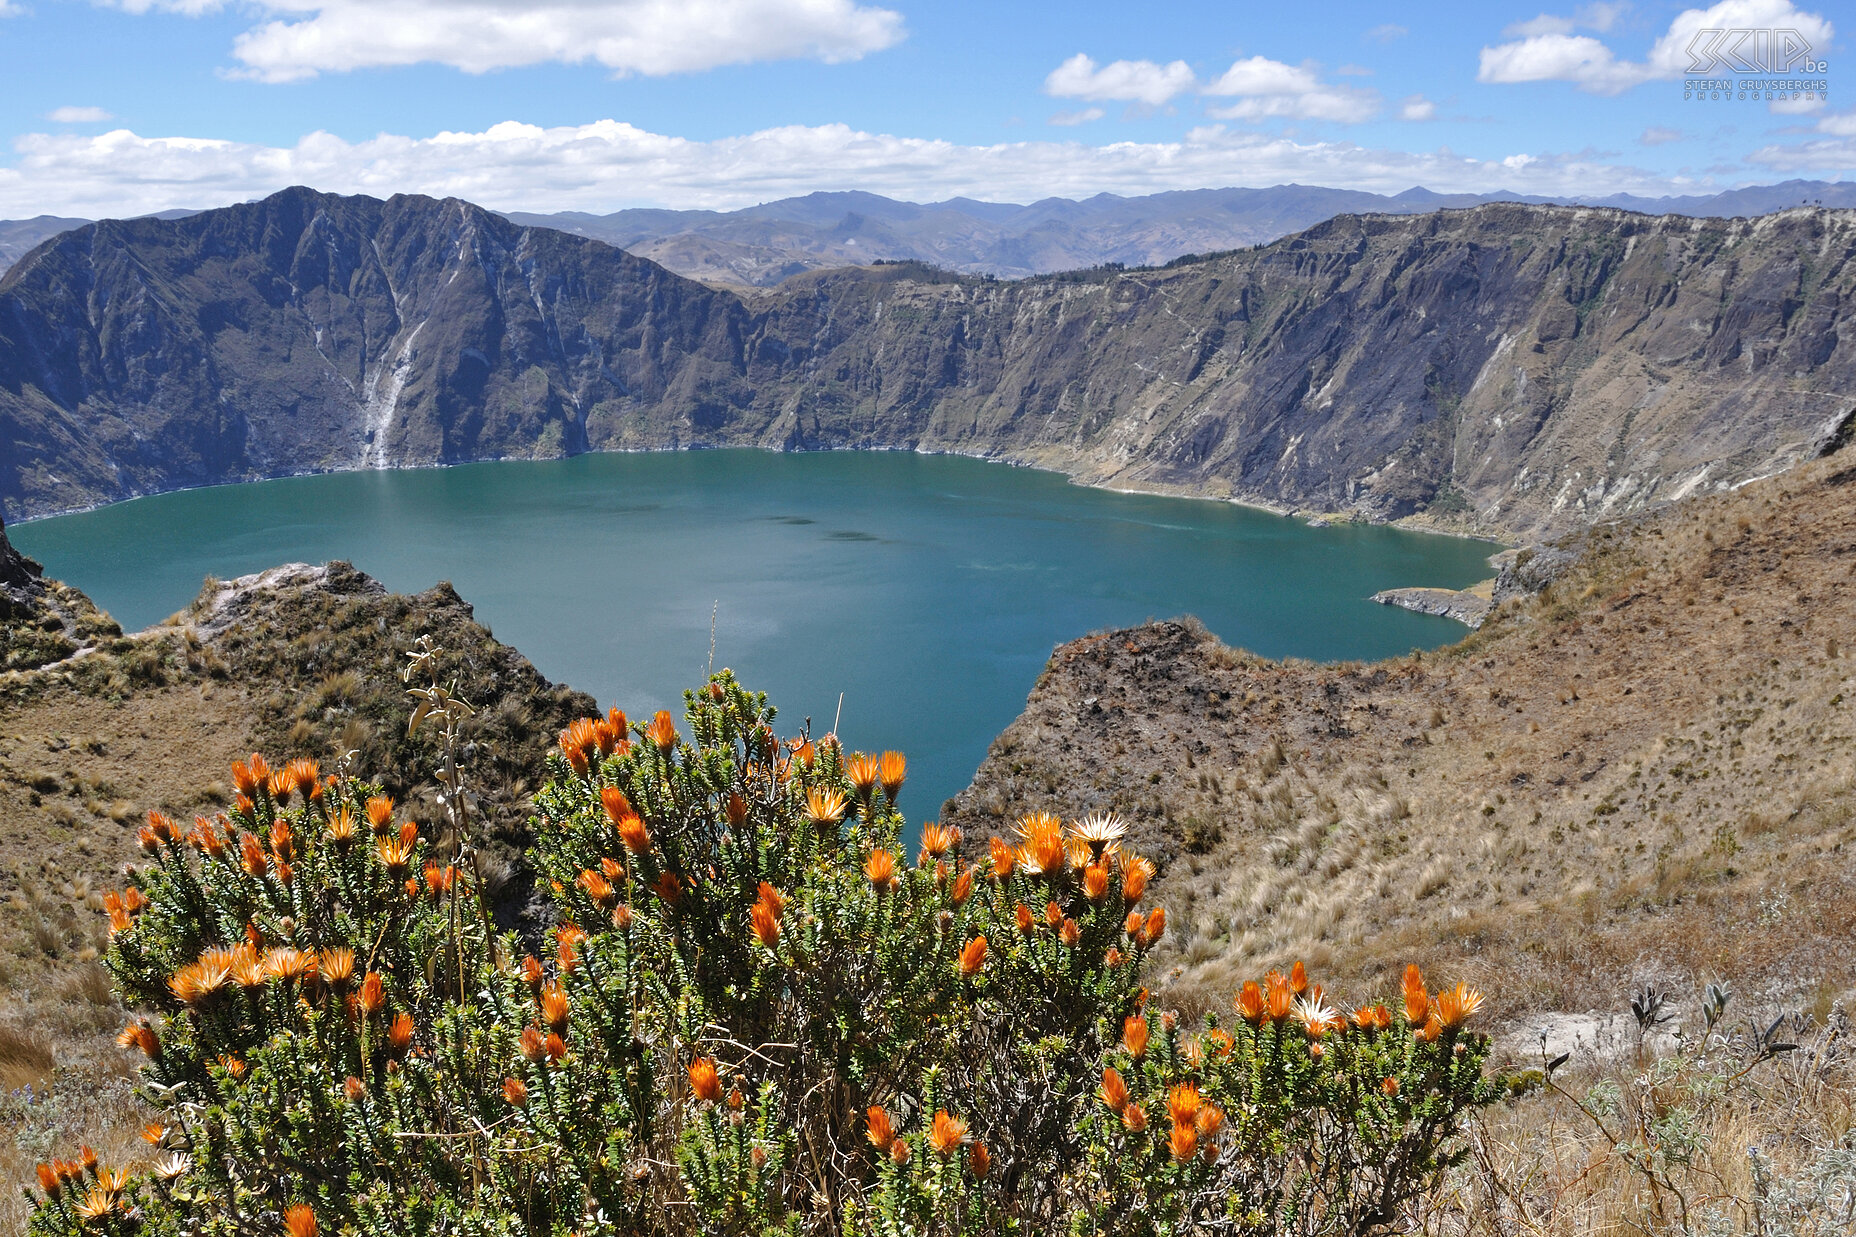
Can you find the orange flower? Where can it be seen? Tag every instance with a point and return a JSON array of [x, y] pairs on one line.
[[1182, 1103], [1053, 914], [1095, 882], [304, 776], [515, 1092], [880, 1132], [979, 1159], [705, 1083], [1389, 1086], [737, 810], [48, 1181], [1455, 1005], [1134, 1035], [300, 1221], [336, 966], [963, 888], [140, 1036], [937, 840], [1429, 1033], [1279, 1000], [1069, 933], [1004, 859], [1134, 925], [598, 888], [251, 857], [891, 770], [668, 888], [973, 956], [153, 1133], [1250, 1002], [1208, 1120], [824, 806], [1114, 1091], [1298, 979], [662, 731], [395, 856], [617, 806], [555, 1047], [1135, 1118], [771, 897], [947, 1132], [1043, 849], [380, 813], [1025, 921], [353, 1089], [880, 868], [1134, 879], [554, 1007], [243, 780], [1417, 1001], [373, 994], [1156, 925], [765, 922], [578, 743], [899, 1151], [532, 1047], [634, 835], [399, 1035], [1184, 1143], [863, 772], [341, 828], [290, 965]]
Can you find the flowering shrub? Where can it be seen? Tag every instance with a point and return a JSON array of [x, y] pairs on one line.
[[757, 1013]]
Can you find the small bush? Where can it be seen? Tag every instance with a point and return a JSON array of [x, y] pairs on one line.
[[756, 1015]]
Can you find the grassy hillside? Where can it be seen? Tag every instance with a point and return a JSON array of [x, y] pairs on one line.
[[1644, 773]]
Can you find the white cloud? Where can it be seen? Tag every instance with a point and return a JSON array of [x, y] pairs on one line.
[[1130, 81], [1659, 135], [1417, 107], [608, 164], [1082, 117], [652, 37], [1267, 89], [1387, 33], [78, 115], [1842, 124], [1547, 50]]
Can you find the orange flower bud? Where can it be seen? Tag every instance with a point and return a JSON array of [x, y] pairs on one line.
[[765, 922], [554, 1007], [1053, 914], [662, 731], [1114, 1091], [880, 869], [881, 1133], [1184, 1143], [300, 1221], [1069, 933], [973, 956], [399, 1035], [1417, 1001], [353, 1089], [515, 1092], [555, 1047], [963, 888], [373, 994], [617, 806], [1135, 1118], [1134, 1035], [1004, 858], [1250, 1002], [1298, 979], [1095, 882], [1389, 1086], [1025, 922], [1156, 925], [979, 1159], [705, 1083]]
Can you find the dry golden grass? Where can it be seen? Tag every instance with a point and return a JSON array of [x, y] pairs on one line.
[[1644, 773]]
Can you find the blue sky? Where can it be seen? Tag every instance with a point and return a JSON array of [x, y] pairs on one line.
[[120, 106]]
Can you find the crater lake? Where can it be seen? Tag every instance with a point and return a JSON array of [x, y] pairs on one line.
[[928, 590]]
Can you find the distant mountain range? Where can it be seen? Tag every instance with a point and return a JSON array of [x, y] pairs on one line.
[[1506, 369], [761, 245]]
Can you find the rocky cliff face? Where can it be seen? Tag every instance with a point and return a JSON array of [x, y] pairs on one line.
[[1505, 369]]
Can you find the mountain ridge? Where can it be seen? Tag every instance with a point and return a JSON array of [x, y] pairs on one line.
[[763, 244], [1502, 370]]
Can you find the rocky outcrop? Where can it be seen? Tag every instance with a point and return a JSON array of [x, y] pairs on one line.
[[1509, 369], [1468, 606]]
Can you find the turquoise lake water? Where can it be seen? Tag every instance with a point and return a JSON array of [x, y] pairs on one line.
[[929, 590]]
